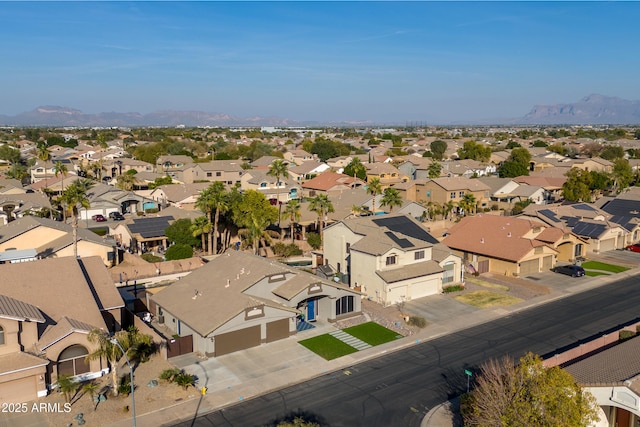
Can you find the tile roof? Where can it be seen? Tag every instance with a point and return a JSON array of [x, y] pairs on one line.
[[455, 183], [11, 308], [62, 329], [410, 271], [327, 180], [612, 366], [220, 290], [493, 236], [19, 361], [30, 222]]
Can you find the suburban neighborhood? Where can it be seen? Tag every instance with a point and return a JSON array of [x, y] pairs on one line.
[[178, 249]]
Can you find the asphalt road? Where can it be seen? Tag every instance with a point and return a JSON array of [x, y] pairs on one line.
[[399, 388]]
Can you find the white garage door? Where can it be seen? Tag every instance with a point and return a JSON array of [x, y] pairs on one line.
[[20, 390], [423, 288], [529, 267], [607, 245]]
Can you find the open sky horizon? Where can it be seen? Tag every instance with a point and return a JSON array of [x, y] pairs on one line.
[[434, 62]]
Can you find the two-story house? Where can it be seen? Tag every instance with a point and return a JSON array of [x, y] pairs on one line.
[[168, 163], [299, 156], [385, 172], [278, 191], [226, 171], [453, 189], [390, 258]]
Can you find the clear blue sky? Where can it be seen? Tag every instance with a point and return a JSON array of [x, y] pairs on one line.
[[437, 62]]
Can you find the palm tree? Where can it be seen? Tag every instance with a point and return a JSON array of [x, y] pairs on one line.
[[321, 205], [73, 197], [201, 226], [107, 350], [278, 169], [44, 154], [391, 197], [356, 210], [61, 169], [213, 198], [292, 210], [448, 208], [126, 181], [468, 203], [374, 188]]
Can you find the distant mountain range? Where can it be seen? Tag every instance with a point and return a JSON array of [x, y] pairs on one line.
[[593, 109]]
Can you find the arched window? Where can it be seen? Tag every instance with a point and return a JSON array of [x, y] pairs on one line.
[[72, 361], [1, 335]]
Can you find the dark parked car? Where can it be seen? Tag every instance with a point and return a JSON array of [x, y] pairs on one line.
[[633, 248], [570, 270], [116, 216], [98, 218]]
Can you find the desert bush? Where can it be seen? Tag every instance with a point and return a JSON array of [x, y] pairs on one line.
[[453, 288], [314, 240], [625, 335], [149, 257], [417, 321]]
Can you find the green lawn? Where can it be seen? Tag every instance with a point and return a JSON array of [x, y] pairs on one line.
[[595, 273], [327, 346], [372, 333], [595, 265]]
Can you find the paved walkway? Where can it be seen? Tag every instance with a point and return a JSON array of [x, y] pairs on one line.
[[349, 339]]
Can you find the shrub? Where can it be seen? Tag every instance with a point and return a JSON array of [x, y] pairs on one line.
[[66, 385], [286, 250], [124, 386], [417, 321], [453, 288], [151, 210], [625, 335], [313, 239], [179, 251], [169, 374], [100, 231], [149, 257], [185, 380]]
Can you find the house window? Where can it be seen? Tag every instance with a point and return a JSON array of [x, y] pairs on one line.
[[381, 175], [344, 305], [452, 195], [218, 173], [418, 255], [209, 174], [1, 335], [348, 249], [391, 260], [449, 272], [461, 194], [263, 185], [72, 361]]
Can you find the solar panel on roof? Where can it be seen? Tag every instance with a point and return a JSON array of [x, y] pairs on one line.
[[623, 207], [571, 221], [624, 221], [150, 227], [589, 229], [403, 225], [549, 214], [402, 242], [583, 207]]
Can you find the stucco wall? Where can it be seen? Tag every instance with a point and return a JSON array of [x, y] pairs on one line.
[[31, 238]]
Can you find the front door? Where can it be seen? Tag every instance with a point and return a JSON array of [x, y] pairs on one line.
[[311, 310]]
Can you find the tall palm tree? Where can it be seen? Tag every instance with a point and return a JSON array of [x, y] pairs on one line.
[[468, 203], [73, 197], [213, 198], [391, 197], [448, 208], [356, 210], [292, 210], [321, 205], [278, 169], [105, 349], [374, 187], [201, 226], [61, 169]]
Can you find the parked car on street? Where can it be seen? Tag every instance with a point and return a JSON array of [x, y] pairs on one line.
[[570, 270], [99, 218], [116, 216], [633, 248]]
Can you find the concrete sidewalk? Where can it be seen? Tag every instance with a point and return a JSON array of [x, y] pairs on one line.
[[253, 372]]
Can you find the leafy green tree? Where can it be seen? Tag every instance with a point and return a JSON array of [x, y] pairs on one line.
[[517, 164], [255, 214], [326, 149], [43, 153], [356, 168], [374, 187], [321, 205], [435, 169], [391, 197], [513, 144], [178, 251], [540, 143], [73, 198], [612, 152], [179, 232], [9, 154], [165, 180], [527, 394], [438, 148], [474, 151], [577, 187], [622, 174]]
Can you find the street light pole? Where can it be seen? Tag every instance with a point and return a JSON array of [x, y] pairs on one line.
[[133, 400]]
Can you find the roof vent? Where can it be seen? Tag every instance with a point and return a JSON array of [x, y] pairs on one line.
[[228, 283], [482, 240], [509, 234]]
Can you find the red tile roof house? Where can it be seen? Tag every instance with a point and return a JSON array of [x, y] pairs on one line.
[[328, 182], [47, 308], [503, 245]]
